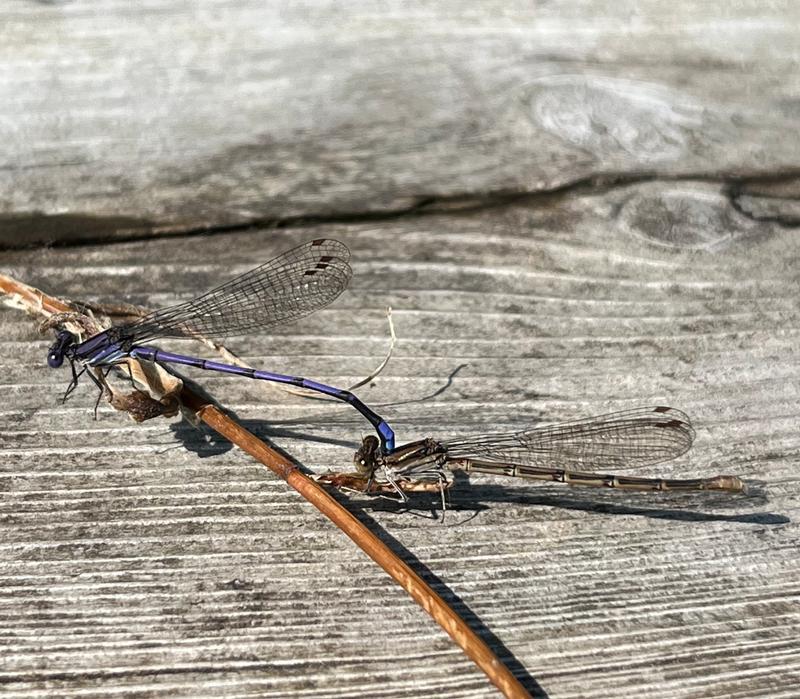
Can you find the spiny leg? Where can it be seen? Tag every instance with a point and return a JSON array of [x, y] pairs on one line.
[[442, 482], [391, 480], [102, 385], [74, 383], [130, 379]]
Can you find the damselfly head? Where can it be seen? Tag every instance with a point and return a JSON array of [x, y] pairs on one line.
[[60, 348], [366, 457]]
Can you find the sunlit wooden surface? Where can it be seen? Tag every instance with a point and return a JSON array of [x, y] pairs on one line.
[[154, 560]]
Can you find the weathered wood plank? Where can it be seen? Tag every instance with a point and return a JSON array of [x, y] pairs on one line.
[[120, 119], [134, 566]]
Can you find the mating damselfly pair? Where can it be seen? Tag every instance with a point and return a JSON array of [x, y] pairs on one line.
[[310, 277]]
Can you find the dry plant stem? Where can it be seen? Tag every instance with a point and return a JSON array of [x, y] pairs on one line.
[[31, 297], [420, 591], [476, 649]]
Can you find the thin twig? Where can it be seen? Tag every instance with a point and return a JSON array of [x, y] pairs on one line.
[[475, 648], [316, 396]]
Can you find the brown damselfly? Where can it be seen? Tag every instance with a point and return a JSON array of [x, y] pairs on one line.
[[581, 452]]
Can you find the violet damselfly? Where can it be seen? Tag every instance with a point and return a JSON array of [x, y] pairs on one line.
[[568, 452], [291, 286]]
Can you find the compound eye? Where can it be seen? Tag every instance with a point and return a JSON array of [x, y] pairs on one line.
[[55, 360]]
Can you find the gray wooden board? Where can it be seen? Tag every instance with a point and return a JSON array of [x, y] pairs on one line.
[[150, 560], [120, 119]]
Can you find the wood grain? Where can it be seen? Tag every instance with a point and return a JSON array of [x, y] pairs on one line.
[[612, 195], [120, 120], [152, 560]]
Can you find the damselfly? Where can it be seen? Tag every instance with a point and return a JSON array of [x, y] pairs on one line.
[[575, 453], [293, 285]]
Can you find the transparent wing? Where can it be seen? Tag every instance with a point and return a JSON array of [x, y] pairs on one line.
[[290, 286], [627, 439]]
